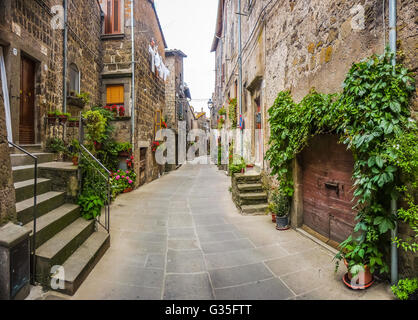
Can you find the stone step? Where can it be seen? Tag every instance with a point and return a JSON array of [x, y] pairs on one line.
[[45, 203], [53, 222], [254, 209], [242, 178], [78, 266], [31, 148], [21, 159], [246, 187], [22, 173], [60, 247], [252, 198], [24, 189]]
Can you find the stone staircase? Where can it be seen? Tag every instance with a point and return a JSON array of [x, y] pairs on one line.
[[248, 194], [63, 237]]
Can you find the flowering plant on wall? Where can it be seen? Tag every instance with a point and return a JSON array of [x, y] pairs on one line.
[[122, 181], [155, 145], [163, 124]]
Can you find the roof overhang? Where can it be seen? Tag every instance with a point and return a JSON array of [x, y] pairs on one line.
[[219, 20]]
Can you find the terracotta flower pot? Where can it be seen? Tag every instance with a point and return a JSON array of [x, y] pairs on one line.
[[62, 119], [51, 120], [273, 217], [75, 160], [364, 278], [98, 146], [127, 190], [123, 154]]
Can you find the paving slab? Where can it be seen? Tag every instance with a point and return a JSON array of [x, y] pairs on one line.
[[188, 287], [185, 261], [271, 289], [226, 246], [234, 276]]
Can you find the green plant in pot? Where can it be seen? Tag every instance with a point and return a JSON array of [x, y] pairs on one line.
[[280, 206], [362, 255], [73, 151]]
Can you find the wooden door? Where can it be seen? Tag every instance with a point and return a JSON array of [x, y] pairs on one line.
[[328, 188], [27, 102]]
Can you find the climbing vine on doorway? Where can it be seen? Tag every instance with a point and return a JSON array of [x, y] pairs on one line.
[[372, 118]]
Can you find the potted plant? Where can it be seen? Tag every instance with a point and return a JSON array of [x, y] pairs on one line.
[[124, 149], [74, 149], [121, 111], [280, 206], [271, 210], [115, 110], [155, 146], [62, 117], [362, 257], [406, 289], [73, 122], [97, 145], [52, 117]]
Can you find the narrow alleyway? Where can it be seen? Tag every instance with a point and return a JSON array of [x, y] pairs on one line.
[[181, 237]]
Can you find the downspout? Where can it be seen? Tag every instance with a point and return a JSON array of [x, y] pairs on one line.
[[393, 207], [133, 77], [240, 73], [65, 70]]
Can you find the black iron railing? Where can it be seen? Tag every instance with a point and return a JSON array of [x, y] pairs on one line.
[[102, 183], [35, 182], [89, 164]]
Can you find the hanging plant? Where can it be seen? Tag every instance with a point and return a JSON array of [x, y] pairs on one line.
[[232, 113]]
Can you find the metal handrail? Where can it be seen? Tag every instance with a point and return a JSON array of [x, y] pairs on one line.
[[108, 184], [89, 159], [33, 245]]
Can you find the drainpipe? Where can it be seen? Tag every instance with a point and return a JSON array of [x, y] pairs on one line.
[[133, 77], [65, 70], [240, 73], [394, 232]]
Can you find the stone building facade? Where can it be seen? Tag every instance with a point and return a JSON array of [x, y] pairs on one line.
[[32, 40], [149, 91], [296, 46]]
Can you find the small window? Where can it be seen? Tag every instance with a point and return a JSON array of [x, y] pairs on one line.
[[113, 16], [74, 74], [115, 94], [157, 125]]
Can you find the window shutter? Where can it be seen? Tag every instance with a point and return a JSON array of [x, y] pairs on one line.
[[115, 94]]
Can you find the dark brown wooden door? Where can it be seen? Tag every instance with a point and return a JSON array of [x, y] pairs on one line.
[[27, 102], [328, 188]]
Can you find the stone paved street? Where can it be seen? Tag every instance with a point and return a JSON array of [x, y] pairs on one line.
[[181, 237]]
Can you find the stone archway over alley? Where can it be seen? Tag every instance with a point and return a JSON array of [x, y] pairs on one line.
[[181, 237]]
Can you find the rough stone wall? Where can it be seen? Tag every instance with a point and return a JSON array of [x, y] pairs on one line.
[[7, 191], [149, 88], [84, 45], [170, 91]]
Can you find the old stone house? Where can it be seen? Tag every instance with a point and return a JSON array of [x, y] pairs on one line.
[[177, 96], [105, 49], [298, 45]]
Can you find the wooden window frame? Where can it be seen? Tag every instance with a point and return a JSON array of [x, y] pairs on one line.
[[109, 12]]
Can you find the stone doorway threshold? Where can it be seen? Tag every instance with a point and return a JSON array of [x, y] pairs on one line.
[[326, 243]]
